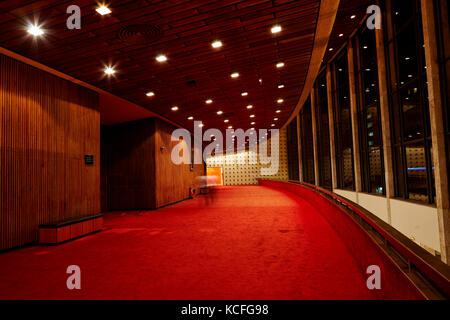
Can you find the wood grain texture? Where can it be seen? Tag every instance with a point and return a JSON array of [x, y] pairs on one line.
[[172, 181], [47, 125], [137, 170], [128, 165]]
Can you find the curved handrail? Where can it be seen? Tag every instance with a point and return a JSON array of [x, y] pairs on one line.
[[434, 269]]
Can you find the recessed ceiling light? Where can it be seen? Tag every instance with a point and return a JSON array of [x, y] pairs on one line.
[[191, 118], [252, 116], [341, 35], [249, 106], [103, 10], [174, 108], [226, 120], [273, 124], [110, 71], [278, 111], [216, 44], [244, 94], [150, 94], [230, 127], [280, 86], [235, 75], [260, 81], [219, 112], [280, 64], [280, 100], [353, 17], [275, 119], [276, 29], [253, 123], [209, 101], [331, 49], [35, 30], [161, 58]]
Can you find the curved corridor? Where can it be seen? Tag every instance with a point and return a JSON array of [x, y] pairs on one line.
[[249, 242]]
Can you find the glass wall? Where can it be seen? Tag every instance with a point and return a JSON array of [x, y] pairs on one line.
[[410, 122], [307, 143], [443, 25], [343, 124], [292, 149], [370, 138], [323, 131]]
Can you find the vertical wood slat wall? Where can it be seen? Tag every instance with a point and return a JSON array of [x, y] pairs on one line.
[[172, 181], [138, 172], [47, 125]]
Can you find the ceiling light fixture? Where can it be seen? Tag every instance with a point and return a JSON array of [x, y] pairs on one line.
[[191, 118], [150, 94], [35, 30], [174, 108], [103, 10], [252, 116], [250, 106], [226, 121], [244, 94], [235, 75], [280, 65], [276, 29], [161, 58], [219, 112], [280, 100], [216, 44], [209, 101], [278, 111], [280, 86], [109, 71]]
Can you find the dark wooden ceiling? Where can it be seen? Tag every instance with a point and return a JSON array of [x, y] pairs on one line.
[[188, 27]]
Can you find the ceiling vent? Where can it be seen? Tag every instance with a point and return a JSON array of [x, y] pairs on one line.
[[140, 34]]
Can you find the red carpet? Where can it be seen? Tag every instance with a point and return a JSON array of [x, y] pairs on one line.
[[251, 243]]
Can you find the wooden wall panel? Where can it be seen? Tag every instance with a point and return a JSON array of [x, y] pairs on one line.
[[47, 125], [172, 181], [128, 161], [137, 172]]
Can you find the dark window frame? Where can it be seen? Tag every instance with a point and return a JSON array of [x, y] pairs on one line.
[[399, 143], [292, 150], [307, 143], [362, 105], [323, 132], [338, 123]]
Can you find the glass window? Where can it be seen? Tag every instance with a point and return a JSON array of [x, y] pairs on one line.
[[414, 176], [371, 141], [323, 131], [292, 148], [343, 124], [307, 143], [442, 11]]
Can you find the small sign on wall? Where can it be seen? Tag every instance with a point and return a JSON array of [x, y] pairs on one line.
[[89, 160]]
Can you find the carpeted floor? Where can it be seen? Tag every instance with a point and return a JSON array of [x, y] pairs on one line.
[[249, 243]]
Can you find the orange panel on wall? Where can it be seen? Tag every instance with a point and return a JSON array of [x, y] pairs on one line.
[[216, 173]]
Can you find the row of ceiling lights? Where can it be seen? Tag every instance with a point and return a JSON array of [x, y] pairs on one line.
[[36, 30], [216, 44]]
